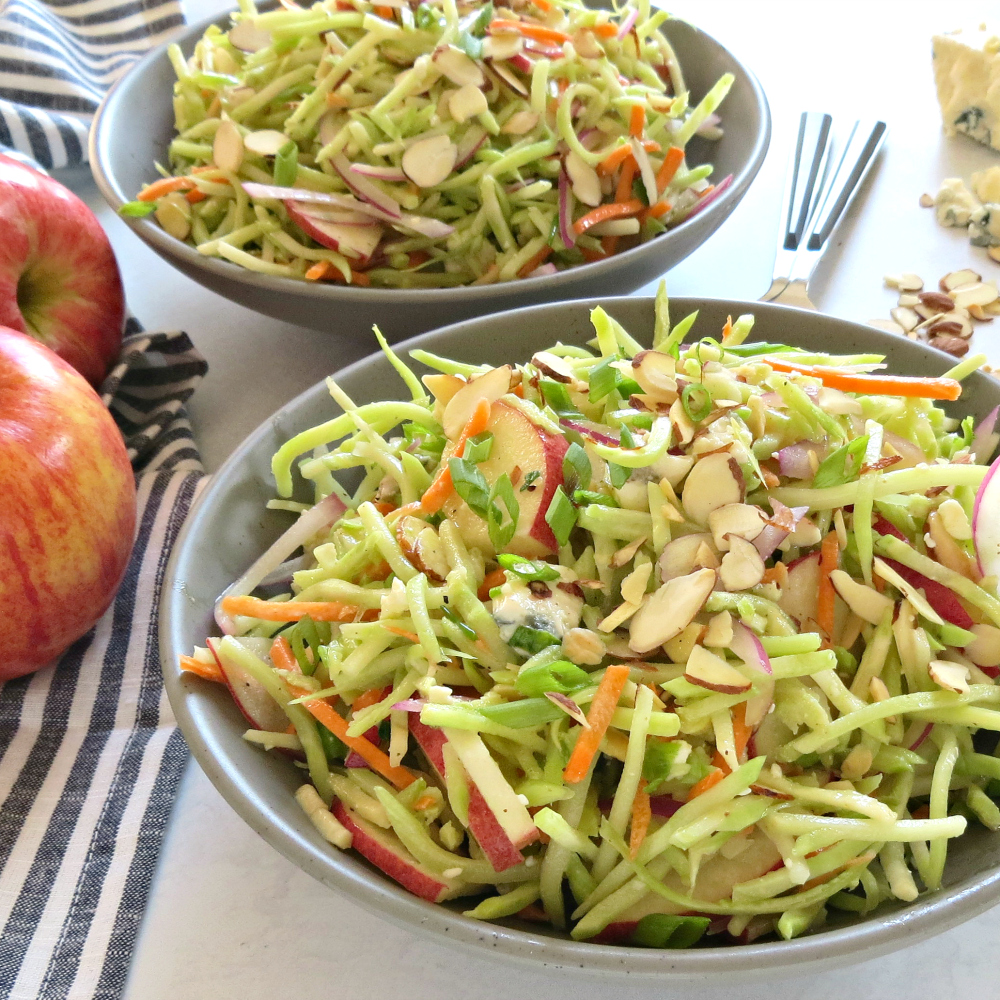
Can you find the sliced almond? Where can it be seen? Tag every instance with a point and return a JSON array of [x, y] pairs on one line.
[[994, 253], [864, 601], [882, 324], [227, 147], [173, 213], [490, 386], [708, 670], [906, 317], [955, 279], [466, 102], [626, 553], [265, 142], [956, 346], [927, 200], [680, 556], [520, 123], [247, 37], [978, 294], [429, 161], [673, 468], [954, 323], [502, 46], [669, 610], [742, 566], [715, 481], [443, 386], [979, 314], [950, 676], [553, 367], [655, 372], [955, 520], [458, 67], [740, 519], [720, 630], [586, 183], [984, 650], [586, 45], [422, 547], [937, 301], [705, 558], [634, 585], [910, 299], [509, 78], [904, 282]]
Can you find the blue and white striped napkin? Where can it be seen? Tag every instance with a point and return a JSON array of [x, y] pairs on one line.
[[90, 755], [59, 57]]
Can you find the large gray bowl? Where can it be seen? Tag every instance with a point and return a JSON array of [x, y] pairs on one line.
[[230, 527], [134, 125]]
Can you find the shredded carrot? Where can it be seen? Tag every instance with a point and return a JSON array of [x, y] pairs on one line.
[[741, 737], [322, 711], [707, 191], [642, 813], [709, 781], [672, 160], [591, 255], [660, 209], [543, 5], [438, 491], [623, 191], [651, 146], [164, 186], [605, 30], [890, 385], [385, 13], [616, 157], [324, 270], [637, 121], [395, 630], [828, 555], [536, 261], [319, 270], [609, 244], [383, 507], [770, 479], [282, 656], [293, 611], [337, 101], [194, 196], [598, 718], [536, 31], [208, 671], [417, 257], [727, 329], [602, 213], [495, 579], [368, 698]]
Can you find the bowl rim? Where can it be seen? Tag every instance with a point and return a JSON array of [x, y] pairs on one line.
[[931, 914], [100, 137]]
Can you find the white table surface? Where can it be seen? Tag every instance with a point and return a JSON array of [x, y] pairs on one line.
[[228, 917]]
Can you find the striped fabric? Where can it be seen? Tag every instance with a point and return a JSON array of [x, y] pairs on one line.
[[90, 755], [57, 59]]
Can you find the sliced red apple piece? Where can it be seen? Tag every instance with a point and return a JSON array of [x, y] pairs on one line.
[[715, 481], [354, 241], [517, 443], [252, 699], [708, 670], [750, 650], [491, 385], [866, 602], [387, 853], [483, 824], [742, 519], [742, 566], [801, 590], [669, 610]]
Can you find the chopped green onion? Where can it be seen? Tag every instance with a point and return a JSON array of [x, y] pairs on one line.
[[478, 448], [561, 676], [532, 640], [576, 466], [137, 209], [502, 524], [697, 401], [665, 930], [528, 569], [286, 165], [470, 484], [561, 516]]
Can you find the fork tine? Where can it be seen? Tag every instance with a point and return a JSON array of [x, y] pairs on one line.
[[805, 169]]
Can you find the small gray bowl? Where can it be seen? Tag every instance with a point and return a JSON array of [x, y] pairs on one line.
[[230, 527], [134, 126]]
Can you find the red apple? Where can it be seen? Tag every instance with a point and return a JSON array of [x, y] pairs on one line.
[[483, 825], [251, 697], [800, 592], [67, 505], [59, 281], [517, 443], [387, 853]]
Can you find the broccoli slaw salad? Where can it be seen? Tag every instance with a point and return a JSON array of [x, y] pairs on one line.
[[431, 145], [673, 646]]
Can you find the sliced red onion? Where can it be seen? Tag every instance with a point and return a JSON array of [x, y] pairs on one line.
[[985, 437], [380, 173], [540, 49], [664, 805], [364, 188], [591, 433], [409, 705], [916, 734], [570, 707], [772, 535], [433, 229], [793, 460], [912, 453], [566, 233], [751, 651], [628, 24], [344, 201], [326, 512], [986, 523], [521, 62], [709, 124], [284, 572], [544, 269], [703, 203]]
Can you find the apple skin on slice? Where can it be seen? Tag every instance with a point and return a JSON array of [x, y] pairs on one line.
[[357, 242], [801, 591], [517, 443], [483, 825], [387, 853], [257, 706]]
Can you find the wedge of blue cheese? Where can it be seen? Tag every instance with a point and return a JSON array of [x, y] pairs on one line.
[[967, 75]]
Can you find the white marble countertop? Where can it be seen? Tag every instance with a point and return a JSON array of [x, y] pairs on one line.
[[228, 917]]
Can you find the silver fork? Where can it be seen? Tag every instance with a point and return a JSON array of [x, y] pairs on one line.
[[817, 193]]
